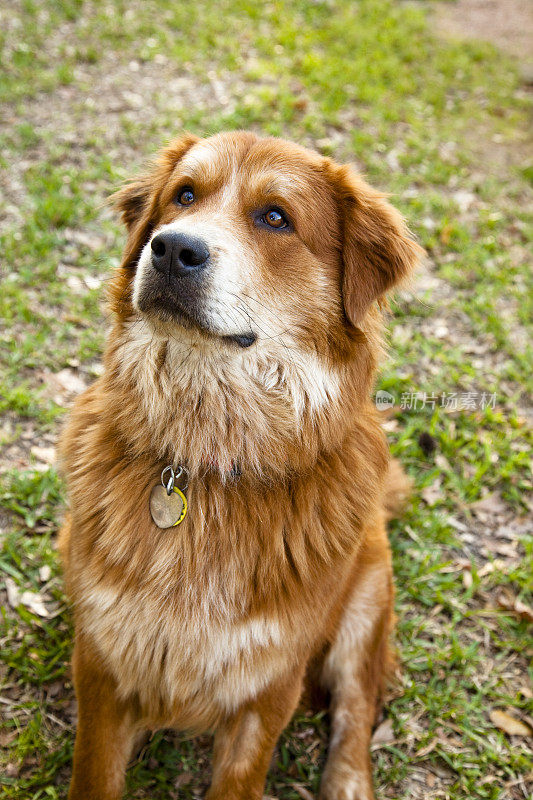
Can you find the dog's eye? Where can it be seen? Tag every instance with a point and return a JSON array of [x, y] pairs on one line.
[[275, 219], [185, 196]]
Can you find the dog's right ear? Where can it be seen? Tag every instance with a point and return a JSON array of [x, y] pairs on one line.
[[137, 201], [132, 200]]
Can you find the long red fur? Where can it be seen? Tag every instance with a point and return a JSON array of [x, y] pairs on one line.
[[287, 542]]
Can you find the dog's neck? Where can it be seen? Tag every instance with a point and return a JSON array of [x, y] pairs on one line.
[[206, 403]]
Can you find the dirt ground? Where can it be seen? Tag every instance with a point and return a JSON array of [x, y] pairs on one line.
[[506, 23]]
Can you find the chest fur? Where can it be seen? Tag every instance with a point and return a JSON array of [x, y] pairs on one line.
[[186, 663], [195, 620]]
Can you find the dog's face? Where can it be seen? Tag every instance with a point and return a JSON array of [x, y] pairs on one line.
[[247, 241], [245, 244]]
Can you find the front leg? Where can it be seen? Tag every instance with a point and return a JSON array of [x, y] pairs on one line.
[[355, 670], [105, 733], [245, 741]]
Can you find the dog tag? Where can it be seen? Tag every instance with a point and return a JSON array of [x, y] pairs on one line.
[[168, 504]]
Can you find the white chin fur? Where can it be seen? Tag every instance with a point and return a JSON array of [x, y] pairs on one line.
[[279, 365]]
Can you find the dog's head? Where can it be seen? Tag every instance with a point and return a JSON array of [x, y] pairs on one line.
[[245, 241]]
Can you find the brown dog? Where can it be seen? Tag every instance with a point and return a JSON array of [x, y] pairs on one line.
[[245, 339]]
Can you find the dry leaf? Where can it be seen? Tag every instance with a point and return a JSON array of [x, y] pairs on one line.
[[7, 736], [424, 751], [507, 549], [467, 579], [384, 733], [183, 779], [509, 602], [455, 523], [464, 200], [35, 603], [92, 282], [32, 600], [44, 573], [74, 284], [12, 770], [13, 594], [432, 493], [442, 463], [303, 792], [45, 454], [69, 381], [491, 566], [509, 724], [491, 504]]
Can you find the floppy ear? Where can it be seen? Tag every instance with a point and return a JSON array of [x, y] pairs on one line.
[[377, 250], [137, 200], [131, 201]]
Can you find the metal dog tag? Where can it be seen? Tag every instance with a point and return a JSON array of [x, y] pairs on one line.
[[168, 504]]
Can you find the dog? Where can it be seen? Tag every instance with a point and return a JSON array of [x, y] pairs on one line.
[[229, 481]]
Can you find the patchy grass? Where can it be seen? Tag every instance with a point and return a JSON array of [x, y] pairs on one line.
[[88, 91]]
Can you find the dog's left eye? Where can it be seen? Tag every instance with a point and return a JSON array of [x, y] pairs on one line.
[[275, 218], [185, 196]]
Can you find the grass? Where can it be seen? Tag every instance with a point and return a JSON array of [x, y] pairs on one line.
[[440, 125]]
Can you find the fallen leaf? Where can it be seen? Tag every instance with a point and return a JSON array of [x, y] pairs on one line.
[[74, 284], [62, 385], [442, 463], [508, 549], [12, 770], [509, 602], [44, 573], [445, 234], [464, 200], [13, 594], [302, 791], [183, 779], [509, 724], [7, 736], [491, 566], [92, 282], [32, 600], [430, 494], [69, 381], [424, 751], [44, 454], [384, 733], [35, 603], [491, 504]]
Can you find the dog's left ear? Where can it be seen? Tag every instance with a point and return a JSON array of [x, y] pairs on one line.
[[377, 250], [137, 201]]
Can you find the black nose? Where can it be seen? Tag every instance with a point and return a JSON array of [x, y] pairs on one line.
[[178, 254]]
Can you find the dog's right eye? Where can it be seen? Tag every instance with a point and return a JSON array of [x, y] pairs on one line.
[[185, 196]]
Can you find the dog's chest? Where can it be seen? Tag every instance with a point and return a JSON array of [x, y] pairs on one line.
[[188, 657]]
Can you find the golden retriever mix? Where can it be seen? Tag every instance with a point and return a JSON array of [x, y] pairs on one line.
[[228, 477]]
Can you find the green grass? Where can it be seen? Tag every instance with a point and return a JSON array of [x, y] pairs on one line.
[[441, 126]]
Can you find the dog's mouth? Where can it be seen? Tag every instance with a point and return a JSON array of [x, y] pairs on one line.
[[189, 315], [242, 339]]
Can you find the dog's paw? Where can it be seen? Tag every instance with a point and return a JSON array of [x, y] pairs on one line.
[[345, 786]]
